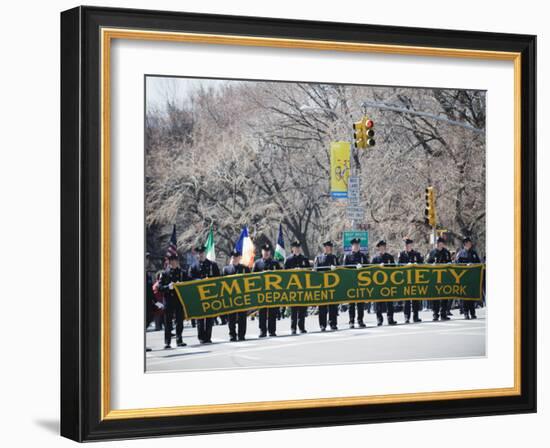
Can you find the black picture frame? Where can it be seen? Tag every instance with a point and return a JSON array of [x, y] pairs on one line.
[[81, 381]]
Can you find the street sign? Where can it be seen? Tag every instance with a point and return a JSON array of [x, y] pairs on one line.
[[355, 212], [363, 235], [354, 187]]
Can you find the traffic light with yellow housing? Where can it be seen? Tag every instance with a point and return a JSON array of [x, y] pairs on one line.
[[363, 133], [359, 135], [369, 132], [429, 211]]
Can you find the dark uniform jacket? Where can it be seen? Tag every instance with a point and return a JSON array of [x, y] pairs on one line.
[[204, 269], [385, 258], [231, 269], [439, 256], [354, 258], [265, 265], [382, 307], [467, 256], [410, 257], [296, 261], [149, 294], [325, 261], [170, 275]]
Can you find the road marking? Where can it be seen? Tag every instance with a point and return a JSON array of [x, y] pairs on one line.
[[368, 336]]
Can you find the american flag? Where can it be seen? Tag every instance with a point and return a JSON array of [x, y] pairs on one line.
[[173, 245]]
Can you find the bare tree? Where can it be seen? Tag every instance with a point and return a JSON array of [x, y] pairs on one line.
[[257, 154]]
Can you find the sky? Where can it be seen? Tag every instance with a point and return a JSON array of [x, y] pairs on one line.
[[159, 89]]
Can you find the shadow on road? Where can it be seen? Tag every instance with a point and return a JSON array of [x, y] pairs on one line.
[[184, 353]]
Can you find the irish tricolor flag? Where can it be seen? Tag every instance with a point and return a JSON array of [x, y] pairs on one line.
[[210, 246]]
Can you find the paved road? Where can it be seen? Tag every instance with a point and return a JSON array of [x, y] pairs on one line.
[[426, 340]]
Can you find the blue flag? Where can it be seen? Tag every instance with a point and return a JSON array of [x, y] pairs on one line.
[[280, 253]]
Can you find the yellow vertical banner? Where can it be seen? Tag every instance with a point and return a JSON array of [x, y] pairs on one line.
[[339, 169]]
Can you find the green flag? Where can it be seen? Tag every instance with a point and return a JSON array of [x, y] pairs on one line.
[[210, 246]]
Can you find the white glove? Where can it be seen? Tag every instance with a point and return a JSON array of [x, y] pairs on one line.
[[359, 266], [171, 285], [332, 267], [159, 305]]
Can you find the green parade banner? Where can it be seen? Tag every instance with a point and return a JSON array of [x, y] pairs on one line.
[[214, 296]]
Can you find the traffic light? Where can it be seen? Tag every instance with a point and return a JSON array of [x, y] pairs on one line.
[[429, 211], [369, 132], [359, 135], [363, 133]]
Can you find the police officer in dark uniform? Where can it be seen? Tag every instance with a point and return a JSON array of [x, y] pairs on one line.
[[297, 261], [440, 255], [204, 268], [384, 258], [172, 305], [323, 262], [238, 318], [267, 317], [468, 255], [356, 259], [409, 255], [151, 304]]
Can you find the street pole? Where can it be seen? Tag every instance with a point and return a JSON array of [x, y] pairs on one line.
[[355, 168], [352, 169]]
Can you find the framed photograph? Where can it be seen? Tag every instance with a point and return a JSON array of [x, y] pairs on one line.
[[273, 223]]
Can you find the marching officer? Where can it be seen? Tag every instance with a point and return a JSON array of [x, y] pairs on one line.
[[267, 316], [383, 258], [297, 261], [468, 255], [358, 259], [409, 255], [172, 306], [204, 268], [440, 255], [323, 262], [238, 318], [151, 304]]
